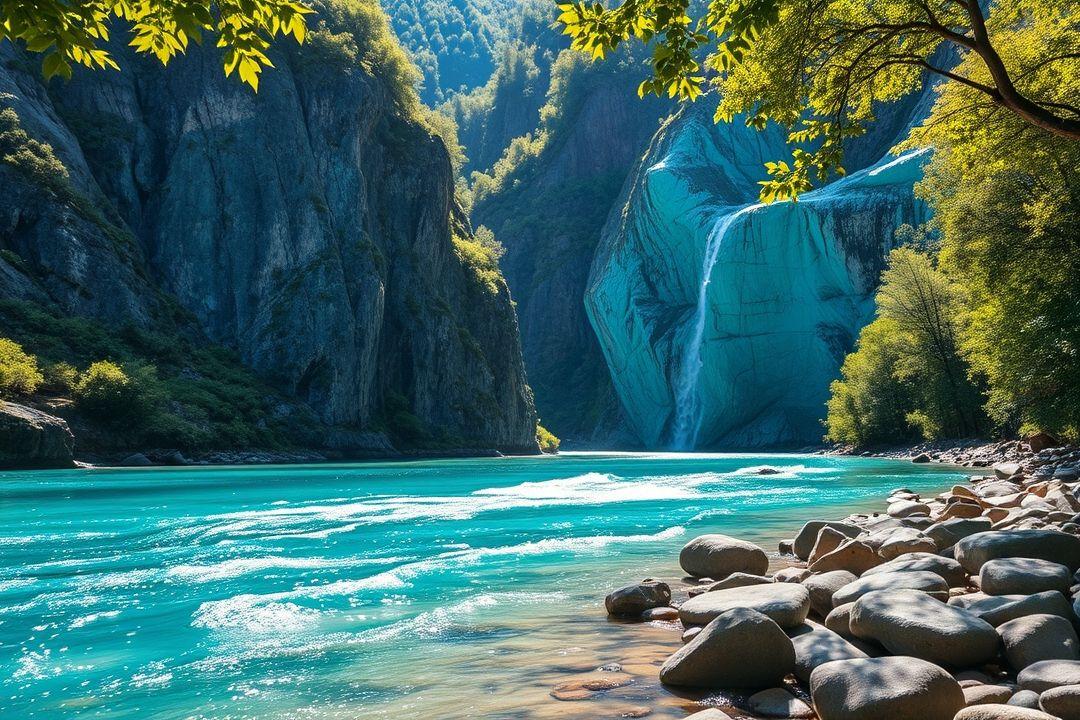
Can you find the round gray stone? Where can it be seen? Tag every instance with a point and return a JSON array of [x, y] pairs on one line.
[[1062, 702], [949, 570], [718, 556], [740, 649], [897, 688], [909, 622], [928, 582], [786, 603], [1035, 638], [976, 550], [822, 587], [635, 599], [1023, 576], [1043, 675]]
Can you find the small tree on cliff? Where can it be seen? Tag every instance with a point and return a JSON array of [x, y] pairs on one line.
[[73, 33], [821, 67]]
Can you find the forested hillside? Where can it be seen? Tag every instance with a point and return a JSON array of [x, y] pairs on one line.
[[454, 43]]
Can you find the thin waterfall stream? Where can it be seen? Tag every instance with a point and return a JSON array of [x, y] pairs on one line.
[[687, 408]]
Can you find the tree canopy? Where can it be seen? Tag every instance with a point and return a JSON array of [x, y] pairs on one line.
[[822, 67], [75, 33]]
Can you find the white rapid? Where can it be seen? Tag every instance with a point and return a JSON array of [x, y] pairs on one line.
[[687, 417]]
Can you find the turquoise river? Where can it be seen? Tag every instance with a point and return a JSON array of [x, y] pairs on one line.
[[435, 589]]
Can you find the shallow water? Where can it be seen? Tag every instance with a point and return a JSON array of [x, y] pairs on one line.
[[449, 589]]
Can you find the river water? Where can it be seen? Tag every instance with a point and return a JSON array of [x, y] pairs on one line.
[[436, 589]]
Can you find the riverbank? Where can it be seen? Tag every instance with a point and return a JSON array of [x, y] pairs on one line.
[[959, 605]]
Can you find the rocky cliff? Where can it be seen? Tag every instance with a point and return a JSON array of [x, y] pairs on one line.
[[548, 212], [723, 321], [312, 227]]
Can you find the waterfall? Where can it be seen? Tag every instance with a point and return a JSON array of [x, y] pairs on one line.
[[687, 407]]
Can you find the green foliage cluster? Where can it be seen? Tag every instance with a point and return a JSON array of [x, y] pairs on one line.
[[481, 255], [77, 33], [546, 440], [19, 373], [150, 388], [34, 159], [822, 69], [907, 375], [1006, 204]]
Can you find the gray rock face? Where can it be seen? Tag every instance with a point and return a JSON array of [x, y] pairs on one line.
[[309, 227], [1023, 576], [739, 579], [949, 570], [823, 587], [718, 556], [897, 688], [787, 604], [740, 649], [1042, 676], [816, 645], [930, 583], [1035, 638], [975, 550], [635, 599], [807, 537], [909, 622], [30, 439]]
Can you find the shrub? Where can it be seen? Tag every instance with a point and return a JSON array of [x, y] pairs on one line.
[[117, 394], [19, 374], [61, 377], [547, 441]]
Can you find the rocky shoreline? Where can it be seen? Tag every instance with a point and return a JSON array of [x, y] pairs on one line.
[[962, 606]]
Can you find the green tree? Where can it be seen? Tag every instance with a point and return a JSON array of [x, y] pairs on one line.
[[907, 372], [822, 67], [19, 374], [74, 33], [1006, 203]]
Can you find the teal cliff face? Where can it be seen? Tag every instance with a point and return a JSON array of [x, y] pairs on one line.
[[723, 321]]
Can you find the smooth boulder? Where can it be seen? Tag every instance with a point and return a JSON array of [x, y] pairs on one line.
[[823, 586], [636, 599], [778, 703], [1023, 576], [1035, 638], [718, 556], [740, 649], [1062, 702], [816, 645], [949, 570], [808, 535], [787, 604], [1042, 676], [949, 532], [854, 556], [909, 622], [896, 688], [976, 550], [927, 582], [1001, 712]]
